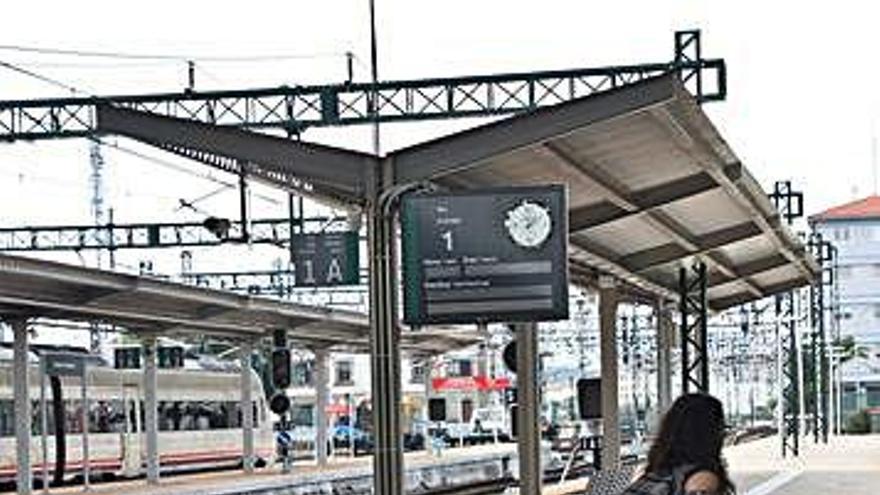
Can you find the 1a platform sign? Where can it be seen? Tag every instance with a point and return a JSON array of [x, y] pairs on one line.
[[482, 256], [326, 259]]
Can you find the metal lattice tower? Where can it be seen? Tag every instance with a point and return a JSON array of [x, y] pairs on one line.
[[96, 185], [822, 314], [790, 205], [693, 328]]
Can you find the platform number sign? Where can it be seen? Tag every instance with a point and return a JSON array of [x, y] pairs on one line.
[[488, 255], [326, 259]]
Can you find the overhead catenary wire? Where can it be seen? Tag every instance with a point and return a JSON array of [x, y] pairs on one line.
[[40, 77], [179, 168], [116, 146], [171, 57]]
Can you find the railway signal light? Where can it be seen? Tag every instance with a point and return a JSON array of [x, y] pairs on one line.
[[509, 356], [281, 368], [279, 403], [589, 396]]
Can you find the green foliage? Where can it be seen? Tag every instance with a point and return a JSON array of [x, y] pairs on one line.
[[859, 423]]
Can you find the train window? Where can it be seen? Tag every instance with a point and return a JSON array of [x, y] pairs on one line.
[[201, 415], [73, 416], [37, 419], [106, 416], [7, 418]]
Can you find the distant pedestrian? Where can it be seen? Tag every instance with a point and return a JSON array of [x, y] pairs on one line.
[[685, 458]]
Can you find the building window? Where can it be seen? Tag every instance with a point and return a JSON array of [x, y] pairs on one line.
[[302, 373], [344, 372], [873, 395], [417, 373], [467, 410], [461, 367], [302, 414]]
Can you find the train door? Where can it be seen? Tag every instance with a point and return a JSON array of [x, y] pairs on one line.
[[131, 443]]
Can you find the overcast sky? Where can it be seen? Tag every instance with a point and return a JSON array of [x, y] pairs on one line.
[[803, 79]]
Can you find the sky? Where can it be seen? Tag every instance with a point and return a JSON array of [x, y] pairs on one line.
[[802, 79]]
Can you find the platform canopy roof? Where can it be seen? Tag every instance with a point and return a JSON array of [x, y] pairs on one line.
[[652, 187], [37, 288], [652, 184]]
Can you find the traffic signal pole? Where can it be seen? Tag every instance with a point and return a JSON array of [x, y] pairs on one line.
[[247, 408]]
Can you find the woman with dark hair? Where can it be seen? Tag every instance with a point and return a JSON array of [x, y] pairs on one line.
[[685, 458]]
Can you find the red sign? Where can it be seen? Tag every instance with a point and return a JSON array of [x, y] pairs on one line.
[[466, 383], [336, 409]]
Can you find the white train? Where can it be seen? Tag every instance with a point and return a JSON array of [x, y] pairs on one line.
[[198, 413]]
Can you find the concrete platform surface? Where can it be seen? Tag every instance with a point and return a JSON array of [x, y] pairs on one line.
[[224, 481], [848, 465]]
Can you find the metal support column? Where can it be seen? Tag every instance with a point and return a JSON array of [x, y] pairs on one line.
[[528, 412], [428, 367], [665, 339], [609, 370], [384, 334], [322, 391], [824, 253], [21, 389], [246, 350], [151, 420], [790, 205], [786, 334], [693, 323]]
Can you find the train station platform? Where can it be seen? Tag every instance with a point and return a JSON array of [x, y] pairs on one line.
[[847, 465], [343, 473]]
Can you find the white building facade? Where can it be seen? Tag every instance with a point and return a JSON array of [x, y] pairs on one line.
[[854, 228]]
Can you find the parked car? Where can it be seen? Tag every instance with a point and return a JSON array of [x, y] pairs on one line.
[[342, 436]]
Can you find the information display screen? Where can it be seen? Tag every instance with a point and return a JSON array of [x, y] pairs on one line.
[[484, 256]]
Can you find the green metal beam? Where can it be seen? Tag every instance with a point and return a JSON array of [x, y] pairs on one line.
[[154, 235], [293, 109]]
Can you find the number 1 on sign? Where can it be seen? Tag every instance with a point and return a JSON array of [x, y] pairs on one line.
[[447, 236]]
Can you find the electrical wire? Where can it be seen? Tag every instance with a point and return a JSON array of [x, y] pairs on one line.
[[95, 65], [40, 77], [178, 58], [180, 168]]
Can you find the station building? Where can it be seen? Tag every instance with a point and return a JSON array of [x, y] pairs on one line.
[[854, 228]]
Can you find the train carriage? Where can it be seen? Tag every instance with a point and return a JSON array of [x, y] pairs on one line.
[[199, 419]]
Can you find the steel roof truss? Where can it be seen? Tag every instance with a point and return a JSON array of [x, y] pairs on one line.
[[647, 199], [279, 162]]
